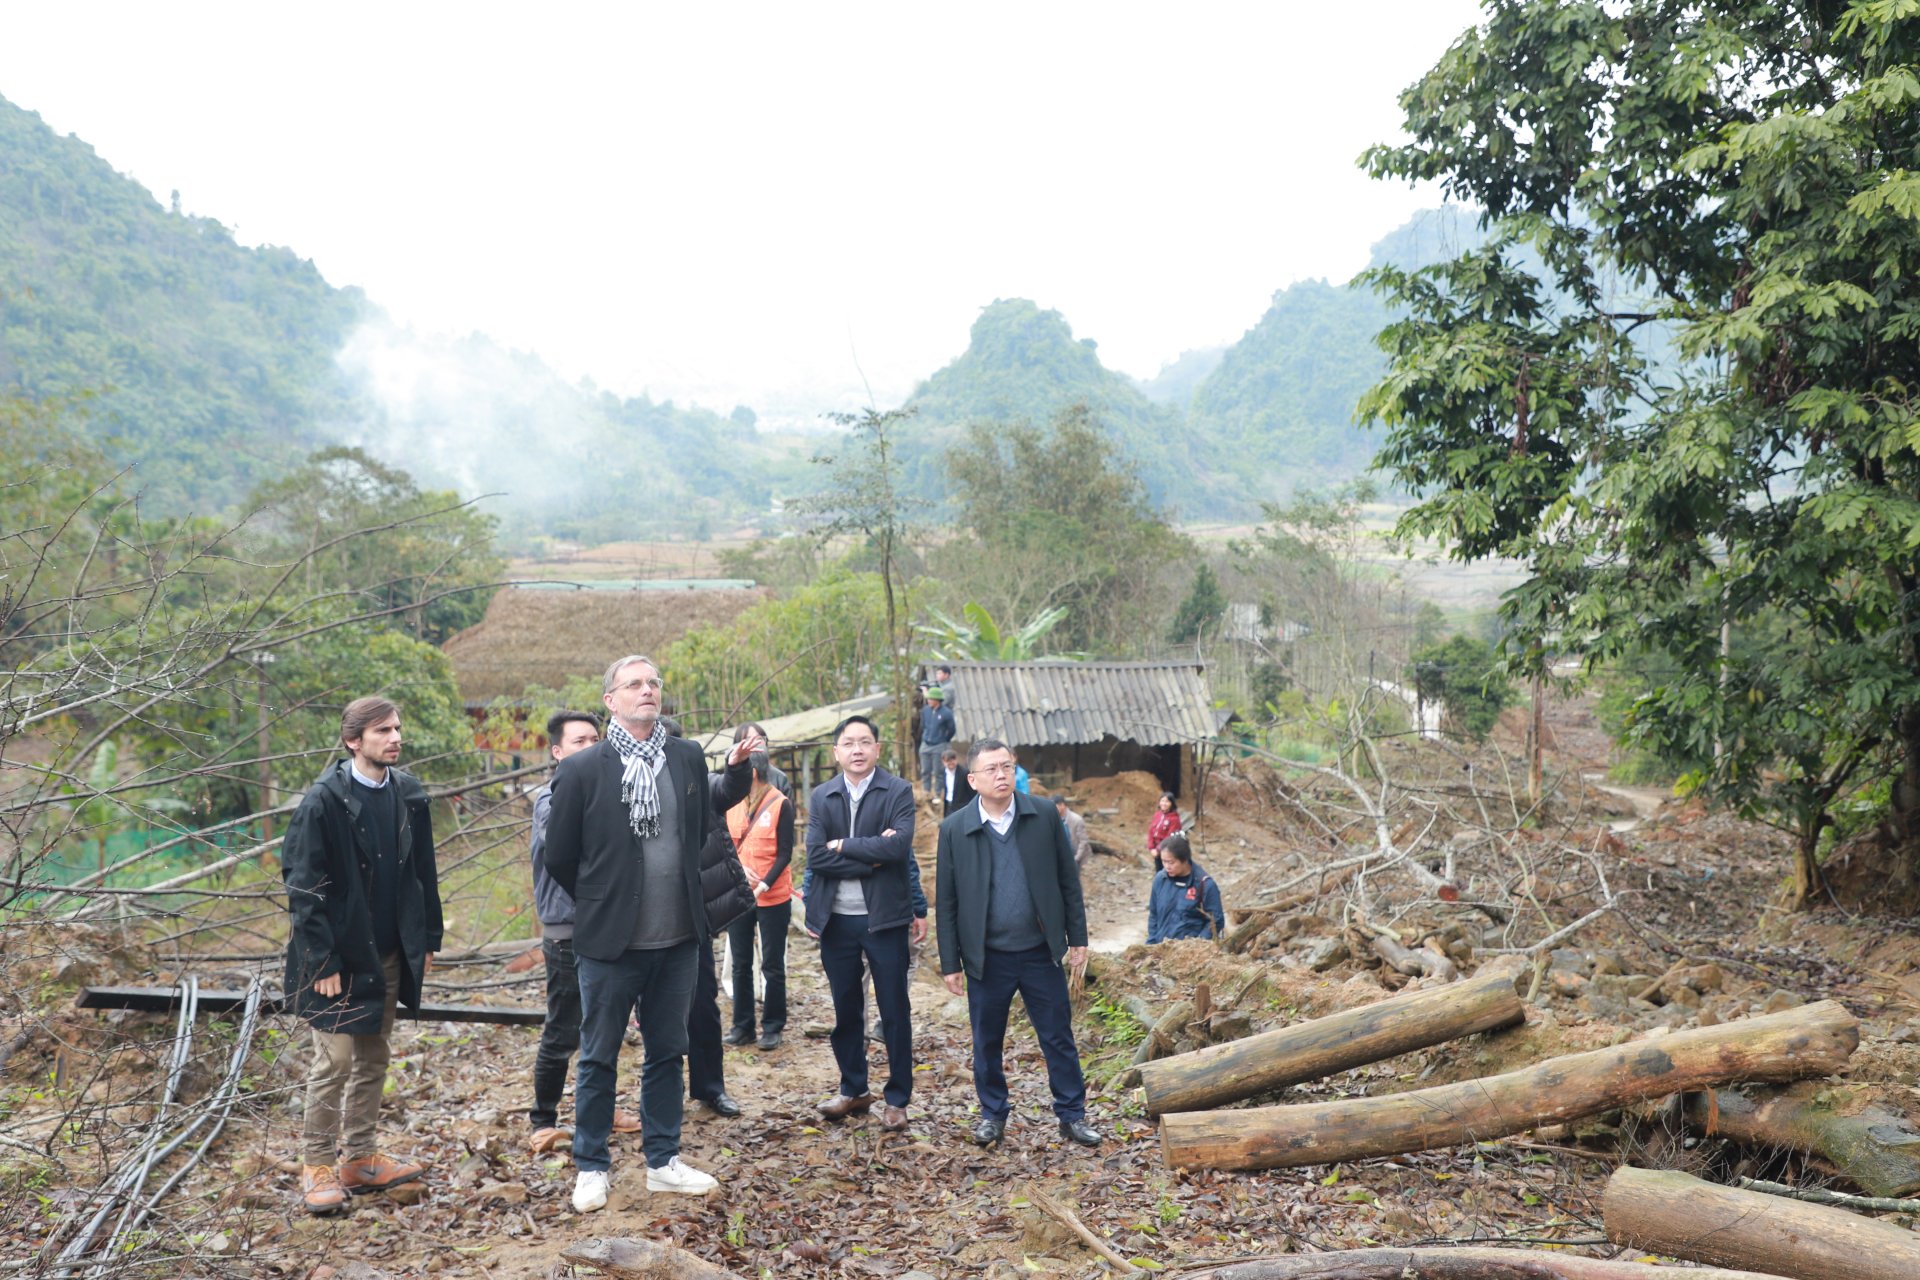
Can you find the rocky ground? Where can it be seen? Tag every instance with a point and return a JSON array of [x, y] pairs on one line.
[[1692, 941]]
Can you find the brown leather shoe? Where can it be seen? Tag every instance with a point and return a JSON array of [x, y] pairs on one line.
[[625, 1122], [545, 1140], [894, 1118], [841, 1106], [377, 1172], [320, 1189]]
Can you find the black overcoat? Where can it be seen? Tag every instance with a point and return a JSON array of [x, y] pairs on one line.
[[325, 863], [964, 880], [592, 853]]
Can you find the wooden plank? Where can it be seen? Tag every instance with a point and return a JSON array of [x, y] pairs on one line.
[[167, 999]]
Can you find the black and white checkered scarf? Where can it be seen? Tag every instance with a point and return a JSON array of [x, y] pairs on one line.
[[637, 786]]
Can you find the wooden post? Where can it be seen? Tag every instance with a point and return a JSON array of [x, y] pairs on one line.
[[1663, 1211], [1224, 1073], [1812, 1040]]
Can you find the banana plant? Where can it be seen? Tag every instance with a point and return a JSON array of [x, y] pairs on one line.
[[976, 637]]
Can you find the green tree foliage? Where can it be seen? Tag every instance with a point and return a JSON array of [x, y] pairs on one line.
[[1742, 174], [1465, 675], [433, 570], [1203, 608], [976, 637], [825, 642], [1059, 518]]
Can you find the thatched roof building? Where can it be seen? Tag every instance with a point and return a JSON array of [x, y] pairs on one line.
[[544, 634]]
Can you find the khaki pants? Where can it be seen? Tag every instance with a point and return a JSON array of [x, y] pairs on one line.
[[353, 1070]]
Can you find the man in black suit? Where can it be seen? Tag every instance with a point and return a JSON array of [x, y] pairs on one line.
[[628, 819], [956, 793], [860, 907], [1010, 908]]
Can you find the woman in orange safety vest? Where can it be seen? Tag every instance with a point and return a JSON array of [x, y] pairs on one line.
[[762, 829]]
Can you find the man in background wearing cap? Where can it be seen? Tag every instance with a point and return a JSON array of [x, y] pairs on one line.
[[936, 731]]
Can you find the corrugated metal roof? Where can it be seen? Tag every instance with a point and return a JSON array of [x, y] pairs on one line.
[[1061, 703], [802, 728]]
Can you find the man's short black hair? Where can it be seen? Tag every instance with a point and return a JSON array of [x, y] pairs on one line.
[[671, 725], [1060, 802], [850, 720], [943, 670], [557, 723], [981, 746]]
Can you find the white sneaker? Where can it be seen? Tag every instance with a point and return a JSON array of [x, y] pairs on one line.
[[684, 1178], [590, 1190]]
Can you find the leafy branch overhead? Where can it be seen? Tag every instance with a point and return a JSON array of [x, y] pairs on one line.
[[1677, 381]]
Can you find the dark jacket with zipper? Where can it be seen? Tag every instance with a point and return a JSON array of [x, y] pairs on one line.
[[325, 862], [1187, 908], [725, 888], [879, 863], [592, 853], [963, 883]]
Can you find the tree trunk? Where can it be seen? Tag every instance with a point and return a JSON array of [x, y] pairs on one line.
[[633, 1259], [1254, 920], [1438, 1263], [1224, 1073], [1415, 962], [1678, 1215], [1812, 1040], [1873, 1148]]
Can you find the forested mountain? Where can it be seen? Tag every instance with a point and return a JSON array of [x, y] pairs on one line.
[[209, 365], [215, 368]]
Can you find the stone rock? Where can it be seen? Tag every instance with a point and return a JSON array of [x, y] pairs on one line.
[[1683, 997], [1569, 960], [1704, 978], [953, 1012], [1781, 1001], [1323, 953], [1565, 983], [1607, 963], [1621, 986]]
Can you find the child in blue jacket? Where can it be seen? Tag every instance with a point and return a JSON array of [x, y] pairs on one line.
[[1186, 901]]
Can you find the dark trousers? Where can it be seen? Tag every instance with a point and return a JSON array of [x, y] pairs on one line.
[[1042, 985], [706, 1068], [660, 983], [847, 948], [771, 925], [559, 1034]]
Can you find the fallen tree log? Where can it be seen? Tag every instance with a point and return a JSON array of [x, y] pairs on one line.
[[1256, 919], [1162, 1034], [1673, 1213], [635, 1259], [1224, 1073], [1453, 1264], [1415, 962], [1812, 1040], [1873, 1148]]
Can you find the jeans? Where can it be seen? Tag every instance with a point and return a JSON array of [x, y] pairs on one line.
[[847, 948], [706, 1067], [660, 983], [559, 1034], [930, 768], [771, 924], [1042, 984], [345, 1083]]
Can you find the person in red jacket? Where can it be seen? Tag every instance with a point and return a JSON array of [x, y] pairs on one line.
[[762, 828], [1165, 821]]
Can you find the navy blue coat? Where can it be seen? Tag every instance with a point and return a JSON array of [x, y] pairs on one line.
[[880, 863], [1190, 910], [964, 877]]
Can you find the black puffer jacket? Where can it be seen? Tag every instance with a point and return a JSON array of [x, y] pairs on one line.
[[723, 881], [324, 862]]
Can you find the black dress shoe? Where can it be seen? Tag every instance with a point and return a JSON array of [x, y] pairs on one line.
[[988, 1131], [1079, 1131], [738, 1035], [769, 1040], [721, 1105]]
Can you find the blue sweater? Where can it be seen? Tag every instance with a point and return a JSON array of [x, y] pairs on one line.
[[1185, 908]]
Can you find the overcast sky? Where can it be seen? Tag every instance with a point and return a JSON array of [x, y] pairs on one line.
[[724, 203]]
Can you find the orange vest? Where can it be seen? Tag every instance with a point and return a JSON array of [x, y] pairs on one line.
[[756, 834]]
